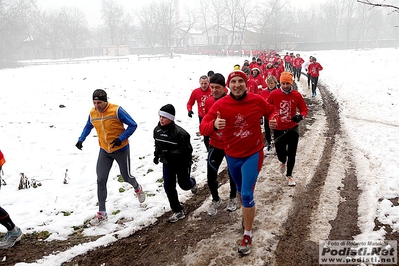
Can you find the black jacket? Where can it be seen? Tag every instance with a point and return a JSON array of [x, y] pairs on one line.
[[172, 145]]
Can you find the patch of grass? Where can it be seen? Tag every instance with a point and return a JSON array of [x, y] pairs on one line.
[[116, 212], [78, 227], [120, 178], [121, 190], [41, 235], [66, 213], [160, 180]]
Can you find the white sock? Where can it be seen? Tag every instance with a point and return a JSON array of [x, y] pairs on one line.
[[249, 233]]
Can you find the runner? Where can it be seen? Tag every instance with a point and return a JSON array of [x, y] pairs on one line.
[[199, 96], [314, 69], [286, 135], [216, 152], [237, 117]]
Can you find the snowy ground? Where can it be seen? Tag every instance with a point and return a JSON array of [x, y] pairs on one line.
[[38, 138]]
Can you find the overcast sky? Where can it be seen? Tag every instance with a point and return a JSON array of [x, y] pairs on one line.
[[92, 7]]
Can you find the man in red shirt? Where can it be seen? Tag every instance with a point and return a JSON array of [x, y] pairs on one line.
[[251, 83], [253, 63], [306, 65], [287, 61], [216, 152], [236, 116], [297, 64], [257, 76], [313, 70], [200, 95], [286, 135]]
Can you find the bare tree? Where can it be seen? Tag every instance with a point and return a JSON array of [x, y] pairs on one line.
[[271, 19], [16, 24], [126, 29], [49, 25], [204, 10], [166, 18], [218, 12], [371, 3], [214, 16], [237, 20], [149, 26], [333, 20], [389, 6], [366, 22], [74, 27], [349, 20], [304, 24], [246, 10], [191, 18], [112, 14], [99, 36]]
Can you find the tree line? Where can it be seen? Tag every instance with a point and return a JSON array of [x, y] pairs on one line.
[[156, 23]]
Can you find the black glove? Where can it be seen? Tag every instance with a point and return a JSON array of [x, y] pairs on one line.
[[116, 142], [190, 113], [156, 160], [297, 118], [79, 145]]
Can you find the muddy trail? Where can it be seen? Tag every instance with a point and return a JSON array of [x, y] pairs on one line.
[[288, 223]]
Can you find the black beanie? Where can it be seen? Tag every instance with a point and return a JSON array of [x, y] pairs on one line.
[[167, 111], [218, 79], [100, 95]]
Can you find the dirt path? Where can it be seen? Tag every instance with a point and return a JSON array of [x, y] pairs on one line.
[[283, 214], [288, 224]]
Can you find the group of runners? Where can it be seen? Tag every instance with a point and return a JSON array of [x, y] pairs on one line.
[[258, 97], [233, 113]]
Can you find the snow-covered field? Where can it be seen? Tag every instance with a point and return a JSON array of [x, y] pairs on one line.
[[38, 138]]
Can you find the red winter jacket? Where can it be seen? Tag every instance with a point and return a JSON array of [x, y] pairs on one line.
[[242, 136], [260, 83]]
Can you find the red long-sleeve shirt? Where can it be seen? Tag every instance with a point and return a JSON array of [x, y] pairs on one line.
[[242, 135], [286, 106], [199, 96], [314, 68], [252, 86], [215, 136], [265, 93], [297, 62]]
